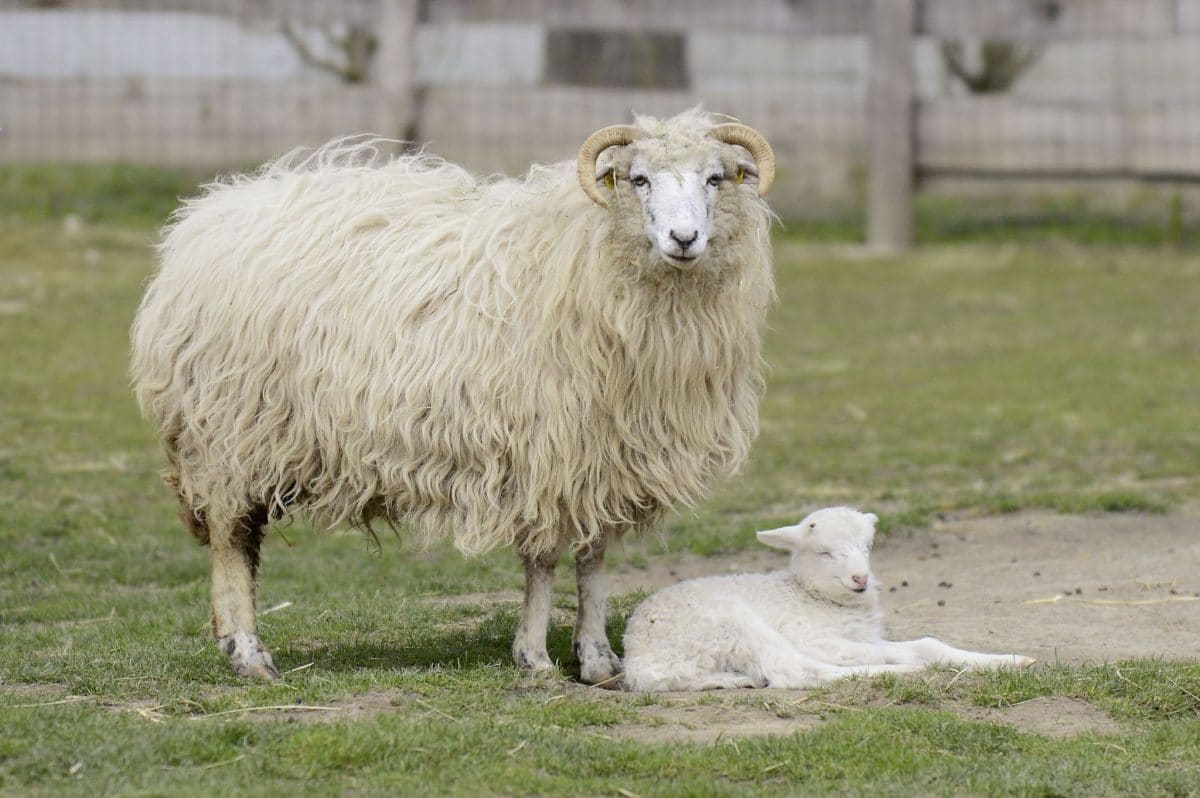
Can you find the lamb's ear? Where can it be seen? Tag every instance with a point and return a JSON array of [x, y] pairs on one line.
[[785, 537], [872, 519]]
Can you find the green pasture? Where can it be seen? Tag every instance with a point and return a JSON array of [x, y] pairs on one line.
[[975, 376]]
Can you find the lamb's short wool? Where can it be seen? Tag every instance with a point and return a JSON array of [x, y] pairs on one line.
[[817, 620]]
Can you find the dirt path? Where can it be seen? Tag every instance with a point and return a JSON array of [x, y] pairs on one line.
[[1070, 589]]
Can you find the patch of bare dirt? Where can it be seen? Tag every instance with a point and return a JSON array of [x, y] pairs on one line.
[[689, 717], [1070, 589], [48, 692], [1060, 588], [355, 707], [689, 721], [1066, 589], [1053, 716], [731, 714]]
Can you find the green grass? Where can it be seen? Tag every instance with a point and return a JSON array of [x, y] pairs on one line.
[[128, 194], [1144, 221], [117, 193], [975, 378]]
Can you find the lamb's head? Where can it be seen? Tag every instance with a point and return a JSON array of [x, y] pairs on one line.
[[831, 551], [676, 185]]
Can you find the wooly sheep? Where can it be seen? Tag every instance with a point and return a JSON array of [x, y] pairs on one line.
[[499, 361], [817, 620]]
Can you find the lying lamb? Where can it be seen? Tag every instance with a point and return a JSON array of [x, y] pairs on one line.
[[817, 620]]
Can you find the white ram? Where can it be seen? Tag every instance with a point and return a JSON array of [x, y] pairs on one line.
[[504, 362]]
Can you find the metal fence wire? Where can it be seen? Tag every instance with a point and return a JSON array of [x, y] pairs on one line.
[[985, 90]]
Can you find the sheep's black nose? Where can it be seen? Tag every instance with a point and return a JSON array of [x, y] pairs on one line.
[[683, 242]]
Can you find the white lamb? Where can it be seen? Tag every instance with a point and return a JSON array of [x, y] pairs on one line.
[[817, 620]]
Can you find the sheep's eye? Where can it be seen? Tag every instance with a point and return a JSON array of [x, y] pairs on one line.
[[826, 554], [640, 181], [715, 180]]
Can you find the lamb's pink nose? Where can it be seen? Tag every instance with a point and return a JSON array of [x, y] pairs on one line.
[[860, 581]]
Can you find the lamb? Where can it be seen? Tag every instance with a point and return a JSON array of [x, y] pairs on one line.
[[815, 621], [505, 362]]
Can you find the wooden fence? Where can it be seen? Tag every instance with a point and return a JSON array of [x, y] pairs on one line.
[[893, 129]]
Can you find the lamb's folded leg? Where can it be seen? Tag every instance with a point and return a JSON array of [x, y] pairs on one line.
[[597, 662], [930, 651], [804, 672], [853, 653], [235, 549], [529, 646], [767, 656]]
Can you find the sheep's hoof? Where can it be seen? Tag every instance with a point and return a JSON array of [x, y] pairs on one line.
[[598, 664], [248, 656], [534, 661]]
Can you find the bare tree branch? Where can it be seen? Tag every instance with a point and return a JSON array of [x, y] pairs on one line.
[[357, 46], [1000, 64]]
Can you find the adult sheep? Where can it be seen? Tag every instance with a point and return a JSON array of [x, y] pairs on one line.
[[506, 362]]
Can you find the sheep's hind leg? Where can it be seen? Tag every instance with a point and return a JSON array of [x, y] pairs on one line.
[[597, 662], [529, 646], [235, 553]]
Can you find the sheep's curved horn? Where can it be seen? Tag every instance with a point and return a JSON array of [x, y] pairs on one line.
[[760, 150], [598, 142]]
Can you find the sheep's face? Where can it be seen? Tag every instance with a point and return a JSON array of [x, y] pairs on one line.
[[677, 202], [831, 551], [680, 189], [679, 196]]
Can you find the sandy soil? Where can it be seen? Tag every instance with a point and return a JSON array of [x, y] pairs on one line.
[[1069, 589]]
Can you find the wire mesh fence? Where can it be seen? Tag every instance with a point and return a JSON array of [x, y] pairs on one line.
[[1001, 90]]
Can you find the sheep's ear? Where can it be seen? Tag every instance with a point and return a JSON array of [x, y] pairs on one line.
[[606, 178], [874, 519], [606, 170], [746, 172], [785, 537]]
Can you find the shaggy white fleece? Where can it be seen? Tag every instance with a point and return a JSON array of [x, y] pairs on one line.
[[500, 361], [497, 361]]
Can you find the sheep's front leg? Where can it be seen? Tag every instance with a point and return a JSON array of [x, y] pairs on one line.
[[597, 662], [529, 647], [235, 551], [930, 651]]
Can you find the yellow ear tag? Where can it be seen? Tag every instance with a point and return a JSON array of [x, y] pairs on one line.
[[610, 180], [741, 175]]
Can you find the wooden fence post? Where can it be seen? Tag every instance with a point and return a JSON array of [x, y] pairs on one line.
[[395, 72], [892, 126]]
